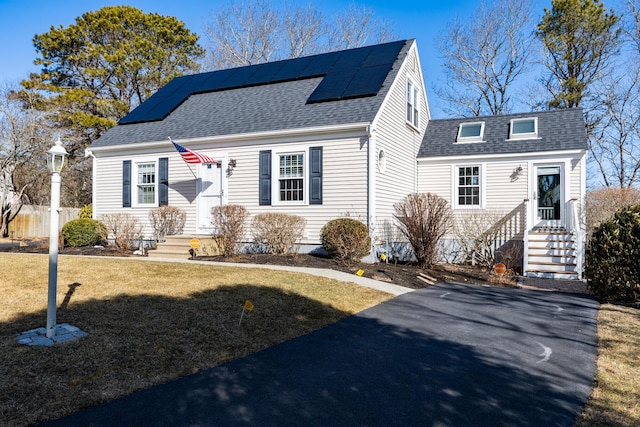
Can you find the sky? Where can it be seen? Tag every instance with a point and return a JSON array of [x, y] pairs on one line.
[[423, 20]]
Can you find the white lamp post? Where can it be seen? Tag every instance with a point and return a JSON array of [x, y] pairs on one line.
[[56, 161]]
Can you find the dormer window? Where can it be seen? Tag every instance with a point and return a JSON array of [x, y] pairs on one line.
[[523, 128], [470, 132]]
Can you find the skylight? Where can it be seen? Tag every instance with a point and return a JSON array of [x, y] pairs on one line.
[[470, 132], [523, 128]]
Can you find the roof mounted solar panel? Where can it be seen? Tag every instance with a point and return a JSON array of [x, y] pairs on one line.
[[293, 69], [366, 82], [383, 54], [268, 73], [346, 74], [321, 64], [214, 81], [331, 87]]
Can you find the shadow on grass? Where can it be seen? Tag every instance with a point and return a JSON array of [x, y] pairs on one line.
[[391, 365], [135, 342]]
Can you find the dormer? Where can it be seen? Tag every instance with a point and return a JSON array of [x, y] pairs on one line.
[[470, 132]]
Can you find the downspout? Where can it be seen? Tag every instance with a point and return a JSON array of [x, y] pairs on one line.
[[89, 153], [371, 187]]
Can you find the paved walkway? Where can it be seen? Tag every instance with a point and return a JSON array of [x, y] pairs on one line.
[[448, 355], [557, 285]]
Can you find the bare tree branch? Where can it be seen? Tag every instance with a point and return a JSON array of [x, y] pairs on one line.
[[484, 56]]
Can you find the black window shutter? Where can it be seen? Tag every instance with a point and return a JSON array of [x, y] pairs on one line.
[[126, 184], [315, 175], [163, 181], [265, 178]]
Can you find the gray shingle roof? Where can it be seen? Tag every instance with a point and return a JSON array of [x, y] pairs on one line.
[[270, 107], [557, 130]]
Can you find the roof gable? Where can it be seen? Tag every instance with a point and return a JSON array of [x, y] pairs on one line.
[[557, 130], [345, 74]]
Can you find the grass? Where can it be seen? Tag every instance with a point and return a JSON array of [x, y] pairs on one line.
[[615, 398], [151, 322], [148, 322]]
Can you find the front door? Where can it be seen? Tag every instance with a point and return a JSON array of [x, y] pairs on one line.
[[209, 194], [548, 198]]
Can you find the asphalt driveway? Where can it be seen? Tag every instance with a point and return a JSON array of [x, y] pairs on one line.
[[449, 355]]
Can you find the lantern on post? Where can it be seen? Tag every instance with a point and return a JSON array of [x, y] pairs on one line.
[[56, 161]]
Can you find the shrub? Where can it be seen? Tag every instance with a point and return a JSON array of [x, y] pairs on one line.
[[229, 222], [613, 256], [424, 219], [86, 211], [83, 232], [346, 239], [477, 233], [601, 204], [278, 232], [167, 221], [124, 229]]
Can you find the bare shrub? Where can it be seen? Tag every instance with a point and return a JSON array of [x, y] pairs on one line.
[[229, 223], [347, 239], [603, 203], [167, 221], [278, 232], [510, 255], [124, 229], [424, 219], [477, 233]]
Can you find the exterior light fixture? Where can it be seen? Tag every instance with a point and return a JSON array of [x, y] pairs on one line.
[[56, 160]]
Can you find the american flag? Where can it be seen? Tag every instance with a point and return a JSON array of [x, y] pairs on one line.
[[193, 157]]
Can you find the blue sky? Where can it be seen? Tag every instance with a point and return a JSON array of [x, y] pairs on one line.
[[419, 19]]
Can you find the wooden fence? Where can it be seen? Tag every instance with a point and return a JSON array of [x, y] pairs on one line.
[[33, 221]]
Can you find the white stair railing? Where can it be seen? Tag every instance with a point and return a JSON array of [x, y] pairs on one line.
[[525, 237], [574, 226]]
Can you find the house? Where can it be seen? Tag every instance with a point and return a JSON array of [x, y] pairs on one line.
[[323, 136], [523, 175], [345, 133]]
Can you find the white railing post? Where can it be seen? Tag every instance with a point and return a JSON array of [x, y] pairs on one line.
[[525, 237], [575, 227]]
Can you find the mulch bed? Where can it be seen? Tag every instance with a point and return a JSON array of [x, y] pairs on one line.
[[402, 274]]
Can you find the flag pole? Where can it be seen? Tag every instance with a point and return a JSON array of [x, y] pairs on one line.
[[185, 162]]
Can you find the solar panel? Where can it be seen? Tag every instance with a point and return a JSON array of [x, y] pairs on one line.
[[351, 59], [214, 81], [383, 54], [366, 82], [331, 86], [346, 74], [320, 64], [238, 77], [267, 73], [293, 69]]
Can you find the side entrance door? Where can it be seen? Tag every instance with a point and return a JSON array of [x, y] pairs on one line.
[[548, 196], [209, 190]]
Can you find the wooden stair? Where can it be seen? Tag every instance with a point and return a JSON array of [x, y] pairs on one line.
[[552, 254]]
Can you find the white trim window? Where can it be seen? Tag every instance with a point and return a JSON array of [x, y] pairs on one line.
[[413, 115], [470, 132], [146, 183], [291, 177], [526, 128], [468, 186]]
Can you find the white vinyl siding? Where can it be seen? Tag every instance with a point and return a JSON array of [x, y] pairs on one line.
[[400, 141]]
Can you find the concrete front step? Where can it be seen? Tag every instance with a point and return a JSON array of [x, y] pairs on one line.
[[176, 247], [567, 275]]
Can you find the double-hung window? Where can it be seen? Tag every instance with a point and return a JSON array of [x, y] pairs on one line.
[[412, 104], [468, 187], [291, 177], [146, 183]]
